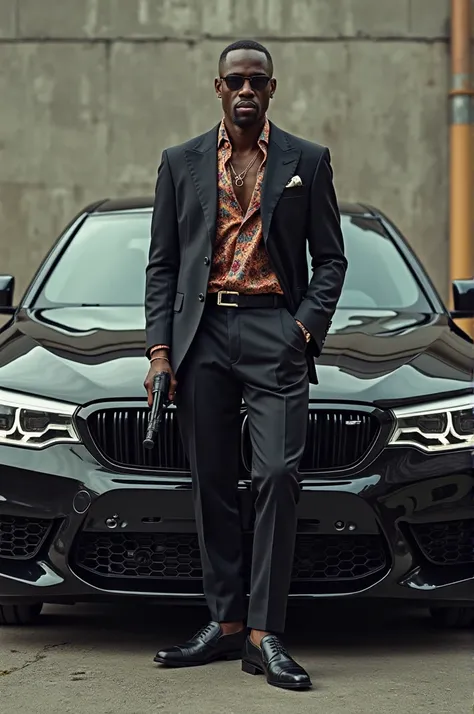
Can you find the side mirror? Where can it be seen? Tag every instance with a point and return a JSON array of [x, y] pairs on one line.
[[7, 286], [463, 294]]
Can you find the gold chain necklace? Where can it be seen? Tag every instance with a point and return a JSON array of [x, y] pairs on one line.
[[240, 178]]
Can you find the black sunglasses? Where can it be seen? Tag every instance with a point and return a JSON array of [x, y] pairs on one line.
[[236, 81]]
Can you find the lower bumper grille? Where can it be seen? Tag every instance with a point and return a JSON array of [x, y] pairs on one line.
[[113, 558], [335, 439], [334, 557], [446, 543], [21, 538], [138, 555]]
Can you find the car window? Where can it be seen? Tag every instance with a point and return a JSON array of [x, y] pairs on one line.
[[105, 264], [377, 276]]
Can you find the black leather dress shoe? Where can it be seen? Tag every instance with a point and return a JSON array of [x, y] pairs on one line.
[[272, 659], [207, 645]]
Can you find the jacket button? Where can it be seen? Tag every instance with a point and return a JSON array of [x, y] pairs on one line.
[[201, 297], [207, 261]]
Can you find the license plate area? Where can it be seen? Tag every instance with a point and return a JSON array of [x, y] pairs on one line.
[[160, 510]]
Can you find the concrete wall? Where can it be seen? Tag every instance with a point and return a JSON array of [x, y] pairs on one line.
[[91, 91]]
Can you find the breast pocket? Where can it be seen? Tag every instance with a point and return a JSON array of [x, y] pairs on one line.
[[296, 192], [291, 211]]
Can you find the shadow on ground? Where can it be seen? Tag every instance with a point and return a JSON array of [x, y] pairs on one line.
[[356, 628], [364, 658]]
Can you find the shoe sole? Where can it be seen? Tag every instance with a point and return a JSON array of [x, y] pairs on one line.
[[231, 656], [250, 668]]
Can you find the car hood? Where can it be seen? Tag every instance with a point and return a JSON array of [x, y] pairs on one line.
[[86, 354]]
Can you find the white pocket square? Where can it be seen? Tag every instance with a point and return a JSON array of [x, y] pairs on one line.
[[295, 181]]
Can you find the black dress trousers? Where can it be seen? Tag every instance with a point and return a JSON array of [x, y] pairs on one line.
[[257, 354]]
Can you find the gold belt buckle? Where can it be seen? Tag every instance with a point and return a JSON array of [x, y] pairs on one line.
[[220, 300]]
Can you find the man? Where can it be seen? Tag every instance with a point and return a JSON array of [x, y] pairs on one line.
[[230, 314]]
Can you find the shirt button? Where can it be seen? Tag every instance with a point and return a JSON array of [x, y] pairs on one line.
[[206, 261], [201, 297]]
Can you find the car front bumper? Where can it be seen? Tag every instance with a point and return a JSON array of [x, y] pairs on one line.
[[73, 530]]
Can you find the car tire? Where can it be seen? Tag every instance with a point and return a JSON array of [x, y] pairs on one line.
[[452, 617], [19, 614]]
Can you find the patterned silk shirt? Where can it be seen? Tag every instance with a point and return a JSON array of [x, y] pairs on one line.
[[240, 259]]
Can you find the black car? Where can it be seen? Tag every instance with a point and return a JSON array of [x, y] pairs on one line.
[[86, 513]]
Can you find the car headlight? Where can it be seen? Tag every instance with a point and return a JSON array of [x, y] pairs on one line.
[[440, 426], [35, 422]]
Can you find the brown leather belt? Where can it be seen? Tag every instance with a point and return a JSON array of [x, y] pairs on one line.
[[226, 298]]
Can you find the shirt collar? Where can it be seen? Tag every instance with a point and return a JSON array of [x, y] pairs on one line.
[[262, 139]]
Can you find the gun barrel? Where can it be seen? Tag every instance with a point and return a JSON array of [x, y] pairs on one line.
[[160, 398]]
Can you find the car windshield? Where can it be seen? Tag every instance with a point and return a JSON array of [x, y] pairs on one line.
[[105, 264]]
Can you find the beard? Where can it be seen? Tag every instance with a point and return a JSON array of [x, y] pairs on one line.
[[244, 122], [245, 119]]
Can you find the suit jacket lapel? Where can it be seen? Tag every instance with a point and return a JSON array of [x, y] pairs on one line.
[[201, 160], [282, 161], [202, 164]]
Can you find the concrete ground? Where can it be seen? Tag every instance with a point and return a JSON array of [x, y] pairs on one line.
[[363, 660]]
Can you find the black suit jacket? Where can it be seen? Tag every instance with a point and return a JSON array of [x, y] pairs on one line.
[[184, 229]]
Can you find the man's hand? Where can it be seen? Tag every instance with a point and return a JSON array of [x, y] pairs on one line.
[[159, 364]]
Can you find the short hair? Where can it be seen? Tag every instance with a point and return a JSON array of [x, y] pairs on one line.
[[247, 45]]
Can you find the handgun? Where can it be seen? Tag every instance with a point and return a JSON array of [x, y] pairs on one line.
[[161, 385]]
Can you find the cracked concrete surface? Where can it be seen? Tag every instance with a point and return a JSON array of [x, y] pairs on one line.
[[363, 660], [36, 658]]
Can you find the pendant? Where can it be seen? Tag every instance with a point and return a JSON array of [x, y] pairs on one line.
[[239, 181]]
